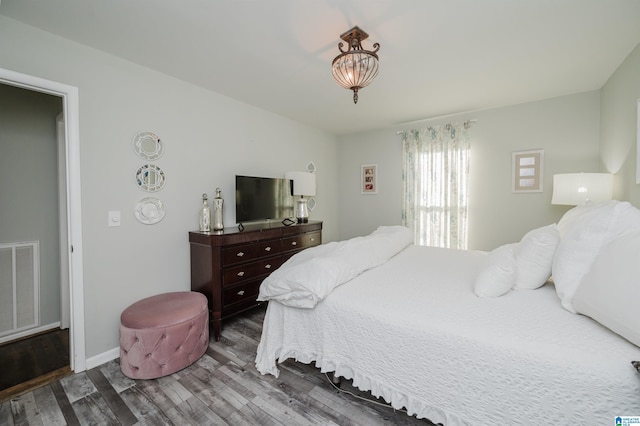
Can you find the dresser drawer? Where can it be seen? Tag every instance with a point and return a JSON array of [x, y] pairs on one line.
[[313, 239], [242, 292], [268, 248], [248, 252], [238, 254], [240, 298], [250, 271], [298, 242]]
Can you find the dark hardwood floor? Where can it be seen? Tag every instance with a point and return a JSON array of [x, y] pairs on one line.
[[222, 387], [33, 361]]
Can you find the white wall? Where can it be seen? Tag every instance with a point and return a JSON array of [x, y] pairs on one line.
[[208, 137], [567, 128], [618, 135], [361, 214]]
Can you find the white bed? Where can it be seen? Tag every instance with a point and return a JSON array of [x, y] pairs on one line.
[[413, 332]]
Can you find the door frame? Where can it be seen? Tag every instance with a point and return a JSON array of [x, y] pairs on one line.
[[70, 105]]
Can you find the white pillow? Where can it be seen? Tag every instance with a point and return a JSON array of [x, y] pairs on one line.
[[498, 275], [583, 231], [534, 257], [610, 291]]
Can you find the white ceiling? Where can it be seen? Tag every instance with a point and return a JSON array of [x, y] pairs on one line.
[[437, 57]]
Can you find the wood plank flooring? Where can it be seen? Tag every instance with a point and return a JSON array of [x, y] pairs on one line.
[[33, 361], [222, 388]]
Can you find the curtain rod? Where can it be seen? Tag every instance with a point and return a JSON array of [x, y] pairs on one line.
[[466, 123]]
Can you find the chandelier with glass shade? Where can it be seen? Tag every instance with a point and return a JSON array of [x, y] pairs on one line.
[[355, 67]]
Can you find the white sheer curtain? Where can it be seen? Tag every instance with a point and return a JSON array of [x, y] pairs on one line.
[[436, 184]]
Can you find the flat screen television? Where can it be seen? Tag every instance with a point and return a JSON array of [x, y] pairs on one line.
[[261, 198]]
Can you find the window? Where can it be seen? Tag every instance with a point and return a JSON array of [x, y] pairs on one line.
[[436, 185]]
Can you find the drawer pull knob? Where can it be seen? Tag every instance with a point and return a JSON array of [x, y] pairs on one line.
[[267, 249], [294, 243], [312, 239], [241, 274], [267, 266], [241, 292], [240, 254]]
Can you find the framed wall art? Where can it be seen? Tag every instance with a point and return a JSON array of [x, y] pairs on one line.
[[369, 179], [527, 170]]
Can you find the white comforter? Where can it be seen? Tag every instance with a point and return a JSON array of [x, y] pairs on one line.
[[413, 332], [310, 275]]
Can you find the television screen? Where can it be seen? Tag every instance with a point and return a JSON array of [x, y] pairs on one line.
[[259, 198]]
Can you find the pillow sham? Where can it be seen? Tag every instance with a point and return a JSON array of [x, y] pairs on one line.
[[610, 291], [534, 257], [499, 274], [583, 231]]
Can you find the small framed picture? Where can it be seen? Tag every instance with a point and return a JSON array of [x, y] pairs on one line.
[[368, 179], [527, 170]]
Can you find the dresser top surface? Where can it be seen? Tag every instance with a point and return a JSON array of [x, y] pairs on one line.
[[253, 232]]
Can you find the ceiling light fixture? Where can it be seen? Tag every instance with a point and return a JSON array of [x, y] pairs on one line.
[[355, 68]]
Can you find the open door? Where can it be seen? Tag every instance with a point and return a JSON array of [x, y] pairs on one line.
[[70, 206], [65, 298]]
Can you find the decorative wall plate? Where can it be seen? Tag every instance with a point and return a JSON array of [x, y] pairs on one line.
[[150, 178], [311, 167], [148, 146], [149, 210], [311, 204]]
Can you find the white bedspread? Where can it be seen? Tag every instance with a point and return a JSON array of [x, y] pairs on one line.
[[312, 274], [413, 332]]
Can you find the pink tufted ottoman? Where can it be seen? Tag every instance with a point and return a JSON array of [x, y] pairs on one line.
[[162, 334]]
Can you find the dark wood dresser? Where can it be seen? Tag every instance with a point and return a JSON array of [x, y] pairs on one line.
[[228, 266]]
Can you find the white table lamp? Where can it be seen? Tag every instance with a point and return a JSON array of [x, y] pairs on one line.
[[575, 189], [304, 184]]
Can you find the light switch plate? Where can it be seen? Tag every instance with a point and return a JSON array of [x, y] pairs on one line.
[[114, 218]]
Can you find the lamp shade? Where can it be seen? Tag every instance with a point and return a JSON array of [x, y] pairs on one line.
[[303, 183], [575, 189], [355, 69]]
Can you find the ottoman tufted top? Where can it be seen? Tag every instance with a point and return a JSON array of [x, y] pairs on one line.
[[163, 310]]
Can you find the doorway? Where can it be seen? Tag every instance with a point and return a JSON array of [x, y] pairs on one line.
[[34, 343], [70, 259], [30, 261]]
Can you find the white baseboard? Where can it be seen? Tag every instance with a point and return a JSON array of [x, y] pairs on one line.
[[30, 331], [103, 358]]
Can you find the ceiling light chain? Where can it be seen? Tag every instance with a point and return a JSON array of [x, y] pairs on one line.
[[355, 67]]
